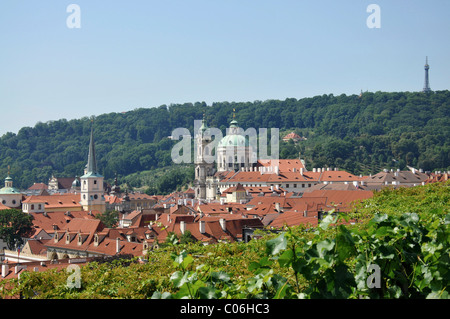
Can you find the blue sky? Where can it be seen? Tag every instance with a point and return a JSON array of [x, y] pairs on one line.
[[132, 54]]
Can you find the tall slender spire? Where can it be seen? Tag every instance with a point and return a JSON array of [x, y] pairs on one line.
[[91, 167], [426, 87], [92, 162]]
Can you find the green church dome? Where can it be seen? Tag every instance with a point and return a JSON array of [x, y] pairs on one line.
[[233, 141], [9, 189]]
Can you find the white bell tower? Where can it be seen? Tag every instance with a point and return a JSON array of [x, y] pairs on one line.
[[92, 194]]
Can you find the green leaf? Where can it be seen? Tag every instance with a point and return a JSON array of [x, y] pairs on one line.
[[207, 292], [378, 218], [382, 231], [178, 278], [286, 258], [276, 245], [447, 219], [178, 259], [345, 243], [183, 259], [164, 295], [187, 261], [329, 219], [324, 246], [220, 276]]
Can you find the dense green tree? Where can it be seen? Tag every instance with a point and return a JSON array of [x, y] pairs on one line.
[[109, 218], [376, 127], [14, 225]]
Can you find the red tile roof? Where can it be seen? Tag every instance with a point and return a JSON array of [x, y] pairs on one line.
[[291, 135], [285, 165], [292, 219], [47, 221], [342, 199], [38, 186], [56, 201]]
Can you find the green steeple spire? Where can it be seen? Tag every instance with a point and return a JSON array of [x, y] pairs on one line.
[[92, 161]]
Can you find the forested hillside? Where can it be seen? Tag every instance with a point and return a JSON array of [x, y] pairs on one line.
[[361, 134]]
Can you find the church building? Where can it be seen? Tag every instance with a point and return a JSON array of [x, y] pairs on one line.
[[92, 193], [233, 153], [10, 196]]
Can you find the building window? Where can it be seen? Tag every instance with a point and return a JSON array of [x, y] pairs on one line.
[[14, 202], [95, 182], [32, 206]]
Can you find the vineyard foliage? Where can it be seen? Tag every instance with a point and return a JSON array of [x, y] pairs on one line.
[[395, 245]]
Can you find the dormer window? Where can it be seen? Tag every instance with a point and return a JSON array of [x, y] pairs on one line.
[[67, 238], [80, 240]]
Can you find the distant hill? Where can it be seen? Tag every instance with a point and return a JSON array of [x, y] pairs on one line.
[[360, 134]]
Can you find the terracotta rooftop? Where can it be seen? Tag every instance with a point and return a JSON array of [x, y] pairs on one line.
[[56, 201]]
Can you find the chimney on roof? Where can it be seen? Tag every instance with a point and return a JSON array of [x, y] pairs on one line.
[[223, 224], [277, 207], [301, 171], [277, 170], [305, 213], [5, 270], [201, 226], [182, 226], [117, 245]]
